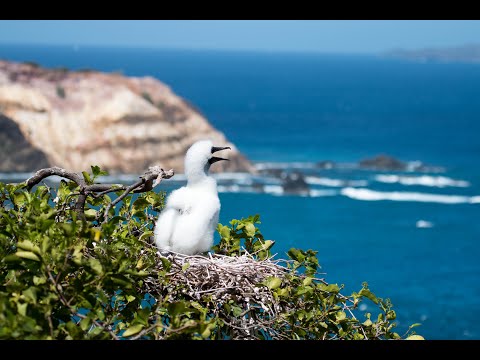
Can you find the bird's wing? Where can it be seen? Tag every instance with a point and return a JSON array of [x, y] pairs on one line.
[[165, 226], [178, 199]]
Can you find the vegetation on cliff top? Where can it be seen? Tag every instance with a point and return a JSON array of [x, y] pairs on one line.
[[99, 276]]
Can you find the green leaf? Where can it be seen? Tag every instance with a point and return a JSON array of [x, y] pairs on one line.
[[11, 259], [167, 265], [86, 177], [296, 254], [140, 204], [250, 229], [358, 336], [367, 322], [268, 244], [67, 228], [331, 288], [237, 311], [28, 246], [31, 294], [121, 281], [307, 280], [185, 266], [85, 323], [22, 308], [391, 315], [340, 315], [369, 295], [272, 282], [19, 198], [96, 266], [224, 232], [100, 314], [146, 235], [90, 214], [96, 171], [415, 337], [27, 255], [176, 308], [208, 331], [97, 330], [39, 280]]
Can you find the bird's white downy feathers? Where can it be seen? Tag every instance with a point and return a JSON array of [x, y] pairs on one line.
[[187, 223]]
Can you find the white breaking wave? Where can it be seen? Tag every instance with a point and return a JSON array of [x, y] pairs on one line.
[[475, 200], [418, 165], [425, 180], [314, 180], [423, 224], [371, 195], [285, 165], [273, 189], [239, 178], [232, 188], [321, 193]]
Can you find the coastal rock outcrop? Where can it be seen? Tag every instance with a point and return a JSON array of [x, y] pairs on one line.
[[294, 183], [383, 162], [74, 119]]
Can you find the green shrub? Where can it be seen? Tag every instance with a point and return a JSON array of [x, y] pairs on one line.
[[63, 277]]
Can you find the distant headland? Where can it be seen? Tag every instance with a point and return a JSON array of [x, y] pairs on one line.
[[469, 53], [73, 119]]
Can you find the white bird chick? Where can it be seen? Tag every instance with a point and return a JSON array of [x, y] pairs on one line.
[[187, 223]]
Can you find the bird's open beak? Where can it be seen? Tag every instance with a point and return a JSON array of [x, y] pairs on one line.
[[214, 159], [218, 148]]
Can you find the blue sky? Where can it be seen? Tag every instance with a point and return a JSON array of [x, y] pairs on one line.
[[332, 36]]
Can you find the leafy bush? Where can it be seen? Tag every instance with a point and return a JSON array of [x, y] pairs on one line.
[[63, 276]]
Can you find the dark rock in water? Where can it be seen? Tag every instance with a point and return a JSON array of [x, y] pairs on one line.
[[325, 164], [383, 162], [272, 172], [294, 183], [258, 187]]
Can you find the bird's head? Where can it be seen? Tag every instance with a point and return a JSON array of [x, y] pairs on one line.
[[199, 157]]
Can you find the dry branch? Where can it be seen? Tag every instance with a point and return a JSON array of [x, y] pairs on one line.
[[152, 177]]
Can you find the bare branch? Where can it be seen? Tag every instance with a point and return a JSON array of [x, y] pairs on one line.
[[152, 177], [44, 173], [144, 184]]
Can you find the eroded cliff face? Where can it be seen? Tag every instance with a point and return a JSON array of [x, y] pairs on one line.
[[123, 124], [16, 152]]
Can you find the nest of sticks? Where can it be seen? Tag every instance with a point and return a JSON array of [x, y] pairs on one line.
[[215, 279]]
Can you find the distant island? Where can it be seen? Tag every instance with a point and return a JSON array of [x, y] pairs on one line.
[[469, 53]]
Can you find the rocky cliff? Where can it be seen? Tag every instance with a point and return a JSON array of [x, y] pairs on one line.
[[74, 119]]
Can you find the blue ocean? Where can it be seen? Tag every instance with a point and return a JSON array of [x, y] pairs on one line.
[[413, 235]]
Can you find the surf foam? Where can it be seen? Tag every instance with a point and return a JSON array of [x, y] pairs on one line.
[[424, 180], [372, 195]]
